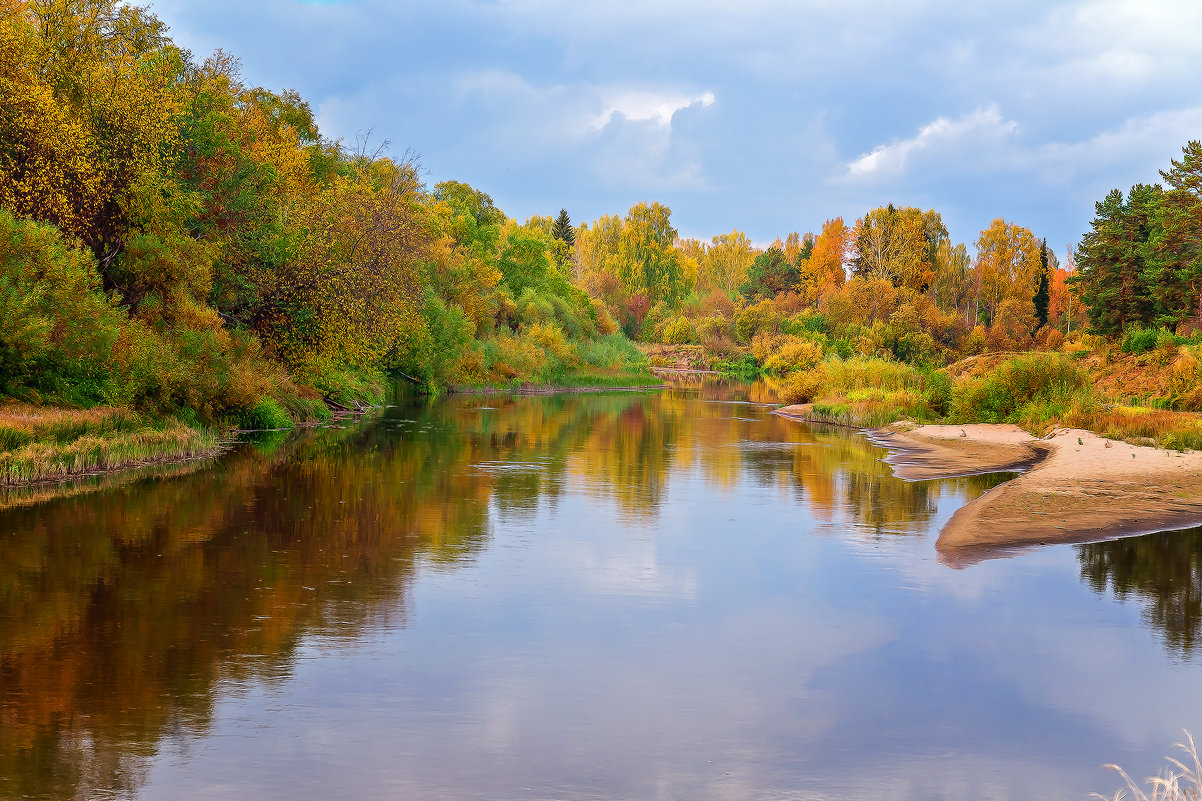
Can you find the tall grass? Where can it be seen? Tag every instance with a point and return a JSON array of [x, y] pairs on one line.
[[1177, 782], [1033, 389], [55, 444], [869, 391]]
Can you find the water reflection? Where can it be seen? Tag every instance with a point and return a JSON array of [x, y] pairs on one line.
[[1162, 572], [640, 579]]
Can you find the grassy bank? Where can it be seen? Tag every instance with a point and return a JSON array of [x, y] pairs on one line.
[[1037, 391], [39, 444], [545, 360]]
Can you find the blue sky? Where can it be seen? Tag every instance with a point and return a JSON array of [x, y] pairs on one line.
[[763, 115]]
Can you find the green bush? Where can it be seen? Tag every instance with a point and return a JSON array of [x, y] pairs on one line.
[[937, 392], [266, 415], [57, 327], [1031, 387], [1141, 340]]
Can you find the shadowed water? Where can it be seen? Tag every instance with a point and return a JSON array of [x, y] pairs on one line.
[[621, 596]]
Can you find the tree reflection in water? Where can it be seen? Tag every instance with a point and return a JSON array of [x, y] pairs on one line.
[[125, 614], [1163, 572]]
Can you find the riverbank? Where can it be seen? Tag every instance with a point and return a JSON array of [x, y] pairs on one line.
[[1079, 487], [44, 445]]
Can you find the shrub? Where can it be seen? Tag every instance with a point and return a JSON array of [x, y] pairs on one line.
[[551, 338], [265, 415], [1139, 340], [1032, 387], [755, 318], [680, 332]]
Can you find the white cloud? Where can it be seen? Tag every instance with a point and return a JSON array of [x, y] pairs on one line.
[[655, 107], [984, 125]]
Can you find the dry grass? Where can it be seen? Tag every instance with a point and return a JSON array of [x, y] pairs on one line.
[[1142, 426], [1178, 782], [48, 444]]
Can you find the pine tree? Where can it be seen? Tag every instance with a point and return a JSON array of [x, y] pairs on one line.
[[562, 229], [1042, 293], [1176, 273], [1115, 259]]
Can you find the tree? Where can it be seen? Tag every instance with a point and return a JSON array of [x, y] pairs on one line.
[[1114, 259], [726, 261], [770, 274], [1177, 273], [824, 268], [1042, 291], [562, 230], [352, 291], [523, 263], [1006, 268], [90, 117], [649, 261], [893, 244]]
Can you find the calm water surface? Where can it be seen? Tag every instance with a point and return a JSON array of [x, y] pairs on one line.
[[670, 595]]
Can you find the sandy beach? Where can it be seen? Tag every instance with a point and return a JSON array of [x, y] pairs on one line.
[[1079, 487]]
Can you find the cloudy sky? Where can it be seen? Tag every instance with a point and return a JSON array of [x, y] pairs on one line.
[[764, 115]]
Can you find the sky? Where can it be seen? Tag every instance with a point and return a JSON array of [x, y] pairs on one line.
[[766, 116]]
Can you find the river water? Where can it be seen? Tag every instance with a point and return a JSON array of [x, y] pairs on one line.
[[663, 595]]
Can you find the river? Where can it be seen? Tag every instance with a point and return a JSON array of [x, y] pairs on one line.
[[660, 595]]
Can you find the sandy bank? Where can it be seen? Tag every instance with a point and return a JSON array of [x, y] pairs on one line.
[[1082, 488], [925, 452]]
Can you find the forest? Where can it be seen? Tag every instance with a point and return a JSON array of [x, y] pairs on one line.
[[186, 249]]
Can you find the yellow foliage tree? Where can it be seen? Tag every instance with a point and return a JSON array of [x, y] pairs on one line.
[[351, 294], [1006, 268], [891, 244]]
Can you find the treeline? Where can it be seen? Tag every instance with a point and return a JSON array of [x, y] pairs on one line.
[[891, 284], [174, 240], [1141, 262]]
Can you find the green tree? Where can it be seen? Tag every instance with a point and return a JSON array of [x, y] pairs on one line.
[[562, 230], [1176, 275], [1042, 293], [1113, 260], [648, 259], [770, 274]]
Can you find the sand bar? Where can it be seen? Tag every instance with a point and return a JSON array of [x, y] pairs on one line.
[[1075, 486], [1080, 487]]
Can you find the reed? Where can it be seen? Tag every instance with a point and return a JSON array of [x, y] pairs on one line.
[[1177, 782], [45, 444]]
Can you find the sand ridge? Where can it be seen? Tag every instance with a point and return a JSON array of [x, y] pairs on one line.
[[1085, 488], [919, 453]]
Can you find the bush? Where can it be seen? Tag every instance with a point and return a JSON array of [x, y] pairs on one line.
[[1028, 388], [680, 332], [1139, 340], [552, 340], [265, 415], [57, 327]]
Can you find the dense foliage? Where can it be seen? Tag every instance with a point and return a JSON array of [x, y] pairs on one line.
[[174, 240]]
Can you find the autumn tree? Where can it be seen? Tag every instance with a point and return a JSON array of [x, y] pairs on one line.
[[824, 267], [649, 261], [726, 261], [351, 293], [90, 119], [895, 245], [1008, 258]]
